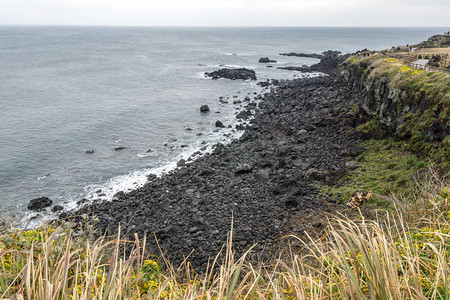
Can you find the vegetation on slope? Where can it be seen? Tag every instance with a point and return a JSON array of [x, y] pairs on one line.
[[386, 168], [405, 131], [423, 102], [402, 255]]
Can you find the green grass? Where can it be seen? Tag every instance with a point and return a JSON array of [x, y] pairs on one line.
[[370, 128], [385, 167]]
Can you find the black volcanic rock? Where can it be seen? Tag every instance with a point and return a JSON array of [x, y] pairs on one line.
[[313, 55], [39, 203], [328, 63], [204, 108], [264, 83], [266, 60], [233, 74], [219, 124], [57, 208]]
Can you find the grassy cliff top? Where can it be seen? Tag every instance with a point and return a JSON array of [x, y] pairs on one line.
[[438, 40]]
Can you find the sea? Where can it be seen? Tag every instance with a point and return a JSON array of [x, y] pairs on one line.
[[71, 97]]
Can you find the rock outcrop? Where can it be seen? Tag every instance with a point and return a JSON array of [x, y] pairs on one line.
[[387, 109], [233, 74], [313, 55], [328, 64], [266, 60]]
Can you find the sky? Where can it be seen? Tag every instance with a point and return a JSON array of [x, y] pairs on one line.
[[226, 12]]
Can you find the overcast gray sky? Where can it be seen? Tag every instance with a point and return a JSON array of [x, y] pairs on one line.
[[227, 12]]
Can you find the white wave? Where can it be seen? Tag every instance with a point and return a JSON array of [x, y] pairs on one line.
[[43, 177], [229, 66], [201, 75]]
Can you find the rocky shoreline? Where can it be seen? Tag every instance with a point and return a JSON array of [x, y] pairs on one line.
[[266, 182]]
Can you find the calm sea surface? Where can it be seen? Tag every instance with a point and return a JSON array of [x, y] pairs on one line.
[[67, 90]]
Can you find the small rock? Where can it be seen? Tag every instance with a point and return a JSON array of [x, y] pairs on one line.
[[352, 165], [317, 225], [291, 203], [181, 163], [312, 173], [82, 201], [204, 108], [243, 169], [57, 208], [243, 243], [301, 164], [39, 203], [219, 124], [353, 151]]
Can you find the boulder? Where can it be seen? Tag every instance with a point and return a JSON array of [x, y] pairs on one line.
[[57, 208], [39, 203], [266, 60], [244, 114], [204, 108], [263, 83], [219, 124], [233, 74], [181, 163]]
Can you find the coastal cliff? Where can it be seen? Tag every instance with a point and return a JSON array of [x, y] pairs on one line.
[[392, 99]]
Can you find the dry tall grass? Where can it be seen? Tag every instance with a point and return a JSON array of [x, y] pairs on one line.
[[392, 257]]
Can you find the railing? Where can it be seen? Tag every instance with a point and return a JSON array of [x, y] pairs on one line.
[[428, 68]]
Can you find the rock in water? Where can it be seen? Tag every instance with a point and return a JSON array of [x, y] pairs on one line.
[[318, 56], [219, 124], [233, 74], [204, 108], [39, 203], [266, 60]]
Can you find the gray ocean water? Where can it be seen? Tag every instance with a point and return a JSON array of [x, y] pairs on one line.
[[67, 90]]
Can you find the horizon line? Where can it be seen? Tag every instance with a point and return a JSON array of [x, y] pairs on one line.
[[220, 26]]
